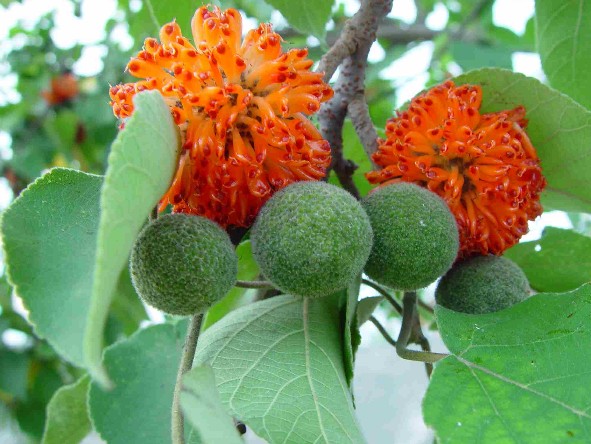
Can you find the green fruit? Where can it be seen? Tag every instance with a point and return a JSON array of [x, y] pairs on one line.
[[415, 236], [482, 284], [311, 239], [183, 264]]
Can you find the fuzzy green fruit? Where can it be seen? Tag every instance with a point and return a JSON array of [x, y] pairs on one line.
[[311, 239], [183, 264], [415, 236], [482, 284]]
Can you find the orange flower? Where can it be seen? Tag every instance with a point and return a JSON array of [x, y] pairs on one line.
[[63, 87], [241, 106], [483, 165]]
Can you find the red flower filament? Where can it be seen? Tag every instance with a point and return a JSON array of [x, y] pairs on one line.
[[241, 107], [483, 165]]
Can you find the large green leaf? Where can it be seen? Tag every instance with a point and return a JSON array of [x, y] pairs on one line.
[[307, 16], [559, 128], [143, 368], [49, 236], [564, 42], [518, 375], [238, 296], [67, 414], [140, 168], [203, 408], [559, 261], [279, 368]]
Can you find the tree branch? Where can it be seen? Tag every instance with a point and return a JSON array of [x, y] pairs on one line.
[[177, 421], [350, 51], [363, 125]]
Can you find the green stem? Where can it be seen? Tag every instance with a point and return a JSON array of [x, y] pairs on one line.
[[254, 284], [384, 293], [178, 433], [383, 331], [426, 306], [409, 318]]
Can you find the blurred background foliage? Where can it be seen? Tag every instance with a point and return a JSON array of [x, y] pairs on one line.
[[54, 111]]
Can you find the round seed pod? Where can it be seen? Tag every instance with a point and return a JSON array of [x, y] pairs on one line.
[[415, 236], [482, 284], [311, 239], [183, 264]]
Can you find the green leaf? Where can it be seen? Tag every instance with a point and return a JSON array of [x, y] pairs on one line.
[[288, 381], [559, 128], [140, 168], [127, 307], [517, 375], [61, 129], [474, 55], [564, 42], [143, 369], [203, 408], [67, 414], [237, 297], [49, 236], [352, 337], [366, 307], [43, 381], [14, 369], [559, 261], [353, 150], [307, 16]]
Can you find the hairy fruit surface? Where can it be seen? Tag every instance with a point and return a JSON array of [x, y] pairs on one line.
[[482, 284], [415, 236], [182, 264], [311, 239]]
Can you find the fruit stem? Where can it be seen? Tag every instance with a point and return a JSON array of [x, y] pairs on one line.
[[154, 214], [383, 331], [178, 434], [255, 284], [409, 320], [384, 293]]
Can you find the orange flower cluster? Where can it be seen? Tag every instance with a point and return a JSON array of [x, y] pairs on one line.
[[241, 106], [483, 165], [63, 88]]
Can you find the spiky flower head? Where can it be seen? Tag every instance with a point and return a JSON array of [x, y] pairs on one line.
[[242, 107], [483, 165]]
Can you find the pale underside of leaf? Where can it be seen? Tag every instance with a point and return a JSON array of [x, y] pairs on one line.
[[203, 408], [141, 165], [279, 368]]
